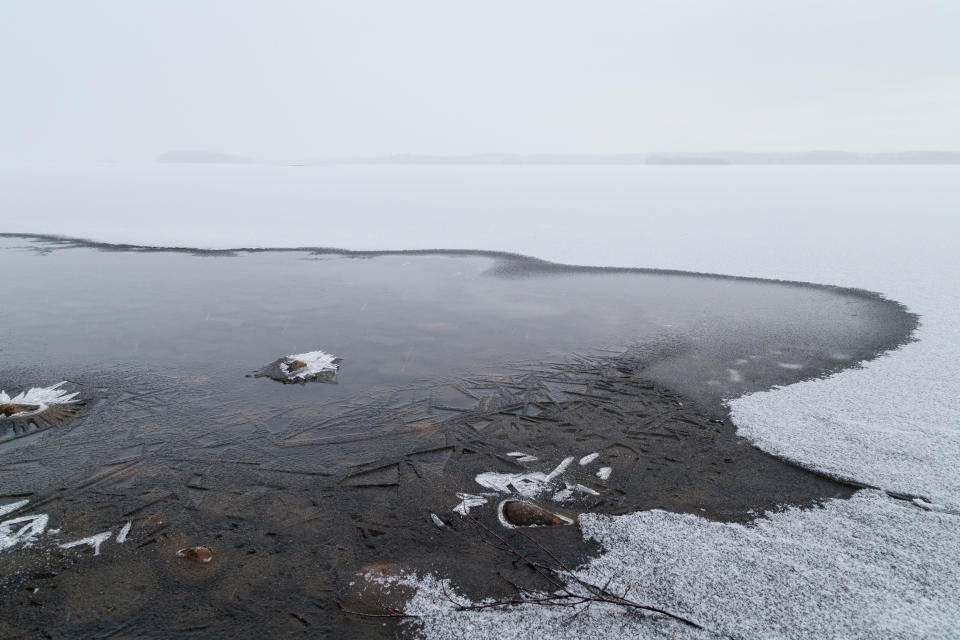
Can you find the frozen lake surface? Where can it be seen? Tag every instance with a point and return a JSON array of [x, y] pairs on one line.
[[891, 424]]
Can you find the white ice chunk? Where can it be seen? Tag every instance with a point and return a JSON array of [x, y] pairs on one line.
[[587, 459], [122, 536], [23, 530], [584, 489], [93, 541], [560, 468], [604, 473], [522, 457], [467, 502], [526, 484], [13, 506]]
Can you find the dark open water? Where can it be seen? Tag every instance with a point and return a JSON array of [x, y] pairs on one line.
[[451, 361]]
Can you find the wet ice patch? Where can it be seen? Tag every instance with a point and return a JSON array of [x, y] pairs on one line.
[[312, 366]]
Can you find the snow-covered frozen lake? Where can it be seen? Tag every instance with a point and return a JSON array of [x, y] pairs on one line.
[[891, 565]]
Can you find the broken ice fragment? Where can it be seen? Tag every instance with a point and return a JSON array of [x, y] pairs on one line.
[[468, 501], [93, 541], [587, 459], [13, 506], [560, 469], [526, 484], [122, 536], [30, 527], [604, 473], [584, 489], [313, 366]]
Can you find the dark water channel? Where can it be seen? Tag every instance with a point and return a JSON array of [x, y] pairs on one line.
[[451, 361]]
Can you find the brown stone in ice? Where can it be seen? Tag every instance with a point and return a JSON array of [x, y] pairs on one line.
[[10, 409], [520, 513], [200, 555]]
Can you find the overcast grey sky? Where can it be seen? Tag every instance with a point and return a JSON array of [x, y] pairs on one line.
[[128, 79]]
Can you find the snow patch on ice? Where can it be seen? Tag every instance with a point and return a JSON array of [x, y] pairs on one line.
[[856, 563]]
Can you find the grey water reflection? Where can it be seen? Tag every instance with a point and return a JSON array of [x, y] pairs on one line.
[[451, 360]]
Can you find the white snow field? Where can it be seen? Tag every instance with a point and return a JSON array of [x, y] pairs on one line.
[[869, 567]]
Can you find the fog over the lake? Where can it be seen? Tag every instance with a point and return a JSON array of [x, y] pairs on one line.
[[125, 81]]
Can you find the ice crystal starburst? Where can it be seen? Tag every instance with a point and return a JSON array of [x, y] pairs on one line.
[[43, 404]]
